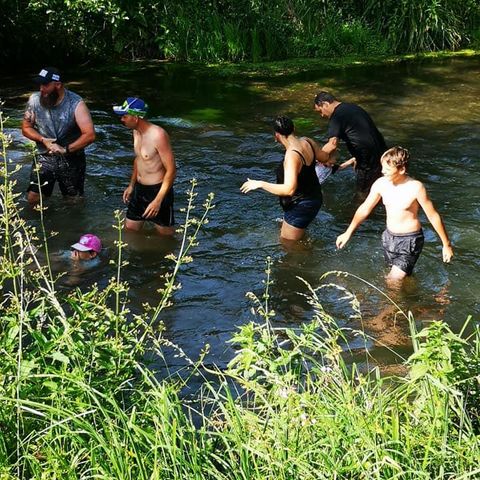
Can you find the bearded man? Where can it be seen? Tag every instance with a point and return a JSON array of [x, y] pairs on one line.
[[59, 122]]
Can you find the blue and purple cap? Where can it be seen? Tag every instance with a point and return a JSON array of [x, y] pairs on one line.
[[132, 106]]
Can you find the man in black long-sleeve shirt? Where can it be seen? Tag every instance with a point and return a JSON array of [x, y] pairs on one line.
[[353, 125]]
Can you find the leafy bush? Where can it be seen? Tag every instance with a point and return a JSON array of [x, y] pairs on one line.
[[70, 31]]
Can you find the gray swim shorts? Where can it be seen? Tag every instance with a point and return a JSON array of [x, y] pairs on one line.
[[402, 249]]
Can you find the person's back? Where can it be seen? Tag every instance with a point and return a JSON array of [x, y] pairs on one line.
[[308, 185], [352, 124]]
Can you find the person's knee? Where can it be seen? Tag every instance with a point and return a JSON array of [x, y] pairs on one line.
[[289, 232], [132, 225], [167, 231], [396, 273]]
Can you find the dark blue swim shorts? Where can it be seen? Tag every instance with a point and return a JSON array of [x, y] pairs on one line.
[[302, 212]]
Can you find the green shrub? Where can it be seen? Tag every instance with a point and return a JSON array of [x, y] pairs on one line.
[[230, 30]]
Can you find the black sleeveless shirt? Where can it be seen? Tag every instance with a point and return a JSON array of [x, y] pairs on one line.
[[308, 186]]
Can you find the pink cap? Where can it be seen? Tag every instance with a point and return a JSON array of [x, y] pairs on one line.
[[88, 242]]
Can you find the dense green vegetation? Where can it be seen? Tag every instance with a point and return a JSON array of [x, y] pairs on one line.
[[77, 399], [71, 31]]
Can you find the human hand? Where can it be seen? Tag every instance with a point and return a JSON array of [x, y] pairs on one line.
[[351, 161], [342, 240], [250, 185], [48, 142], [55, 148], [127, 194], [152, 209], [447, 253], [332, 158]]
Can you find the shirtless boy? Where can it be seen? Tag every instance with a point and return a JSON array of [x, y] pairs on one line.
[[149, 194], [402, 197]]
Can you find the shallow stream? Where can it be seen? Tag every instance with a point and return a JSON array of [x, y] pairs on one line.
[[221, 134]]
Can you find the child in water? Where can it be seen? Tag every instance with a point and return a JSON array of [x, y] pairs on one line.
[[82, 261], [403, 197], [79, 262], [87, 248]]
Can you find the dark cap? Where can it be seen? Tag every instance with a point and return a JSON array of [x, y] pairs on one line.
[[47, 75]]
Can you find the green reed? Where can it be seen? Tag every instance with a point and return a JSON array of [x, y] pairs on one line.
[[77, 399], [233, 30]]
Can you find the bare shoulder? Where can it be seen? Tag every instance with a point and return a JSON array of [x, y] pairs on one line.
[[158, 130], [159, 135], [415, 185], [291, 155], [82, 113], [311, 141], [379, 185], [82, 107], [418, 189]]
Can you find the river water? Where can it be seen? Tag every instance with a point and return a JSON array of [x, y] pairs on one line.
[[221, 134]]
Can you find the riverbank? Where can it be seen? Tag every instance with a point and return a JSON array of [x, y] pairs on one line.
[[288, 68], [231, 30]]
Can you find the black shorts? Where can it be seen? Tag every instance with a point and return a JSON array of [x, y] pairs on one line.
[[68, 170], [142, 196], [366, 177], [402, 249]]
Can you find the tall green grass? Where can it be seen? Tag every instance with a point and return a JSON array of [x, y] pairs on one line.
[[77, 400], [231, 30]]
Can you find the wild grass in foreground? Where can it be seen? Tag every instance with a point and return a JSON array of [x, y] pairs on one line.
[[78, 402]]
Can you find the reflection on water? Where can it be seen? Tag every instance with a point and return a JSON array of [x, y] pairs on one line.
[[221, 134]]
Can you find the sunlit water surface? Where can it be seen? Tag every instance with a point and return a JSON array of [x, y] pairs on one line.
[[221, 134]]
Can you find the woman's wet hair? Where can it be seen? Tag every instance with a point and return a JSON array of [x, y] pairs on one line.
[[283, 125], [323, 96], [397, 157]]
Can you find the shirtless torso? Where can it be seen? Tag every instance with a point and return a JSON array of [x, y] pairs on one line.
[[401, 203], [154, 165], [402, 197], [149, 163]]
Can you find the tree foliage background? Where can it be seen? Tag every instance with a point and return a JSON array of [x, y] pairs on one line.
[[72, 31]]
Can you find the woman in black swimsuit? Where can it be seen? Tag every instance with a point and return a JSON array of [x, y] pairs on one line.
[[297, 183]]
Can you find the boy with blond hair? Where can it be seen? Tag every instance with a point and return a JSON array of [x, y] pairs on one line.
[[402, 196]]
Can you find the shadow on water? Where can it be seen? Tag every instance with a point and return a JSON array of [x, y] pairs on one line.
[[221, 134]]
